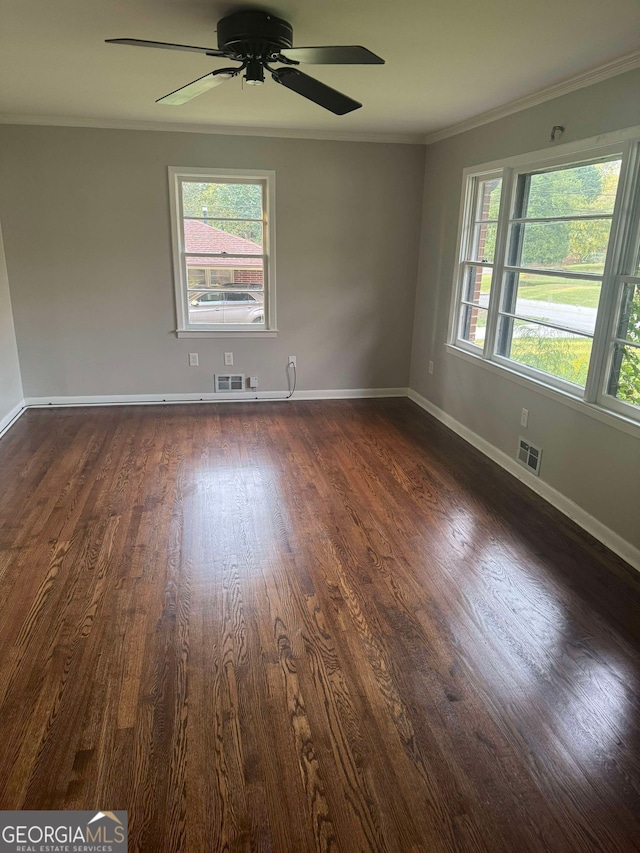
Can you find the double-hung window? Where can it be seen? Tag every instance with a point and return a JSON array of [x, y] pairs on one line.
[[548, 273], [223, 244]]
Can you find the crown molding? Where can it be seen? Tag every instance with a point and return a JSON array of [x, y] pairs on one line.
[[218, 130], [602, 72]]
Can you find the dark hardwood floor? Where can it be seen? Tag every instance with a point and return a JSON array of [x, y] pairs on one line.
[[300, 627]]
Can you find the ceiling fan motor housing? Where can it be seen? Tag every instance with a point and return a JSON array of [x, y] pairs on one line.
[[253, 34]]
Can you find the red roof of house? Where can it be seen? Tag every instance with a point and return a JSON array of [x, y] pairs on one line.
[[200, 237]]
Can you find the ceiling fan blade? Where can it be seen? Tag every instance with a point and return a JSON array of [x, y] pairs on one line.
[[348, 54], [315, 91], [209, 51], [198, 87]]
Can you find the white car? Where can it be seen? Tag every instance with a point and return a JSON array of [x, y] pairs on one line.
[[226, 306]]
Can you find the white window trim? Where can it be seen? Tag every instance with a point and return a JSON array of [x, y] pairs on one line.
[[183, 328], [594, 401]]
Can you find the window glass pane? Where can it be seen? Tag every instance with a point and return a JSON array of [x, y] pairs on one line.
[[629, 320], [247, 273], [563, 301], [484, 242], [202, 236], [577, 246], [488, 203], [218, 200], [477, 284], [199, 298], [574, 191], [244, 228], [624, 381], [220, 276], [242, 296], [561, 354], [473, 324], [196, 277], [226, 307]]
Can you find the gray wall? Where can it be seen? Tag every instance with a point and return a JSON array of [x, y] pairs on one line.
[[87, 237], [10, 383], [591, 463]]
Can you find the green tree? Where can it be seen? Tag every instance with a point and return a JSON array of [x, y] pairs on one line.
[[563, 192], [217, 202], [589, 238], [628, 380]]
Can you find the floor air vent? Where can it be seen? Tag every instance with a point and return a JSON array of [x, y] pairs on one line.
[[229, 381], [529, 455]]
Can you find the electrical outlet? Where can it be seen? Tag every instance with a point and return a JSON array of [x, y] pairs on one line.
[[228, 358], [524, 417], [253, 382], [292, 360], [193, 359], [430, 367]]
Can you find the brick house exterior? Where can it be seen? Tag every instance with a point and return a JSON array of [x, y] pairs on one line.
[[202, 237]]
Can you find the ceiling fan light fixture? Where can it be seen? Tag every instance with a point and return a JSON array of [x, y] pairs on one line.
[[257, 39], [254, 74]]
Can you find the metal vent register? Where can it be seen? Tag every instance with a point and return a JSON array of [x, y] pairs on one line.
[[529, 455], [229, 381]]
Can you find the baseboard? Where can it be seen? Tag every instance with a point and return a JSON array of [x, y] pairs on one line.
[[567, 507], [11, 417], [239, 397], [351, 393]]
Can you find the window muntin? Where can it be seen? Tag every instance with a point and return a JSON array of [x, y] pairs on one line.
[[556, 292], [623, 383], [478, 263], [623, 379], [222, 239]]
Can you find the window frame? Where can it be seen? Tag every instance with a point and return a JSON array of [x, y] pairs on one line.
[[623, 246], [184, 328]]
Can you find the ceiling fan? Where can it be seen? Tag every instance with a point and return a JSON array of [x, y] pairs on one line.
[[257, 39]]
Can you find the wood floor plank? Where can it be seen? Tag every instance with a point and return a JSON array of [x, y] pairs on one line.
[[322, 626]]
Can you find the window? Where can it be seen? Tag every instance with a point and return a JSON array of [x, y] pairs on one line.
[[223, 251], [477, 267], [548, 277]]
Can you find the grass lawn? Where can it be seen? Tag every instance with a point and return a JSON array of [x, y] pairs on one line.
[[585, 294], [557, 289], [566, 358]]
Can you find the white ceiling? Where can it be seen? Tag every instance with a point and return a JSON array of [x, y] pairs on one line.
[[446, 60]]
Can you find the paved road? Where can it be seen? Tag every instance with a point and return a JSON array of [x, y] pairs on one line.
[[573, 316]]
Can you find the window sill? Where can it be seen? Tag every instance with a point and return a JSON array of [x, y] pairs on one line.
[[210, 333], [605, 416]]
